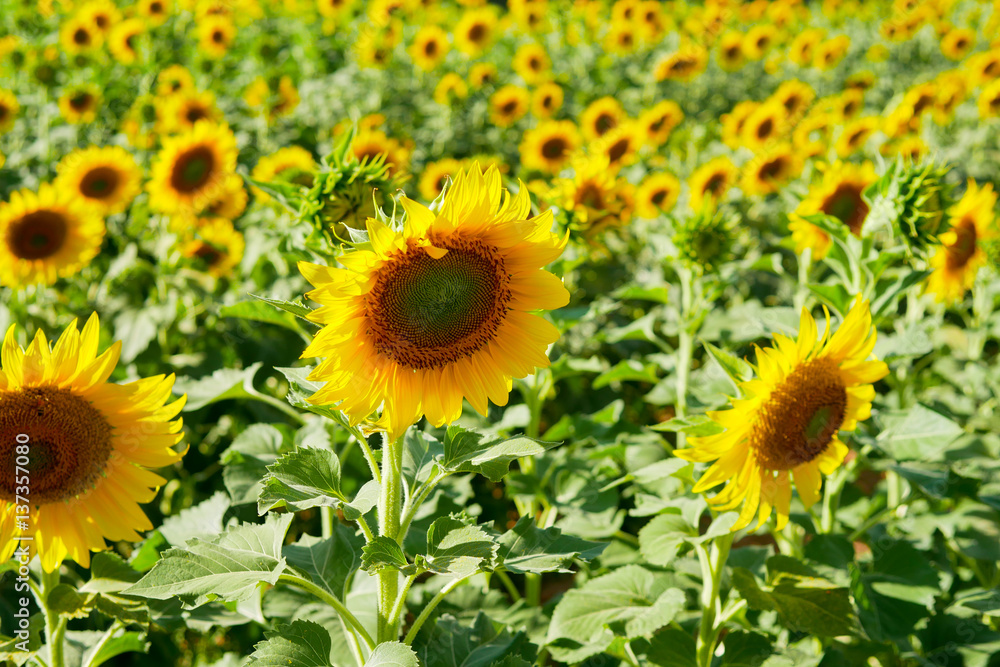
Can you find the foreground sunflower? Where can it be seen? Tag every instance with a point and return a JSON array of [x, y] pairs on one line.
[[192, 168], [107, 178], [90, 443], [786, 424], [46, 235], [438, 311]]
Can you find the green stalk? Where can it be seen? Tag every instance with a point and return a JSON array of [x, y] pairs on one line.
[[55, 627], [338, 606], [712, 564], [684, 348], [429, 609], [389, 510]]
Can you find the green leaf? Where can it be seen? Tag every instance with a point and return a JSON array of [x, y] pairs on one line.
[[734, 367], [299, 644], [66, 601], [491, 456], [628, 370], [109, 575], [293, 307], [818, 610], [258, 311], [526, 548], [328, 562], [116, 644], [630, 600], [672, 648], [383, 552], [836, 296], [745, 649], [302, 479], [455, 545], [660, 539], [204, 520], [420, 452], [221, 385], [230, 567], [392, 654], [694, 425], [485, 644], [918, 434], [246, 461]]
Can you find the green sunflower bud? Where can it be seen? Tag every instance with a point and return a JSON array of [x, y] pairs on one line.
[[705, 240], [912, 200]]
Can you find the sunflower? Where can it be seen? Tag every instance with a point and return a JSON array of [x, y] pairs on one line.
[[802, 50], [795, 96], [532, 63], [765, 124], [231, 201], [474, 32], [292, 164], [600, 116], [154, 12], [759, 40], [989, 101], [436, 175], [961, 254], [90, 443], [192, 168], [430, 46], [660, 120], [684, 65], [656, 195], [106, 178], [786, 424], [620, 145], [482, 74], [983, 68], [862, 80], [596, 198], [951, 92], [182, 110], [734, 122], [547, 147], [848, 104], [449, 89], [710, 182], [770, 170], [811, 136], [830, 52], [957, 43], [79, 103], [546, 100], [508, 105], [214, 246], [45, 236], [730, 56], [79, 35], [215, 35], [370, 144], [438, 311], [839, 195], [651, 20], [123, 40], [921, 99], [102, 14], [854, 135], [174, 79], [9, 109]]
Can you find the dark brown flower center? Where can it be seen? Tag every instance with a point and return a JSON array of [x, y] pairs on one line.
[[69, 443], [81, 37], [37, 235], [847, 205], [99, 183], [192, 169], [81, 102], [554, 148], [958, 254]]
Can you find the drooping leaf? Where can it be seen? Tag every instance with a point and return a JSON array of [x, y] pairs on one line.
[[527, 548], [259, 311], [456, 545], [491, 456], [820, 610], [223, 384]]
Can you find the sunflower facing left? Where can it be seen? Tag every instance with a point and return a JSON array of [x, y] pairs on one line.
[[442, 310], [90, 443]]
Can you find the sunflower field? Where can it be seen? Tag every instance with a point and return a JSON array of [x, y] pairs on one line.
[[455, 333]]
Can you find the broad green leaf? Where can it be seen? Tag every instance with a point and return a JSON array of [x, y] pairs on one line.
[[420, 451], [745, 649], [66, 601], [836, 296], [302, 479], [735, 368], [628, 370], [695, 425], [660, 539], [822, 611], [918, 434], [136, 330], [642, 293], [223, 384], [258, 311], [117, 643], [392, 654], [672, 648], [230, 567], [204, 520], [383, 552], [491, 456], [630, 600], [109, 575], [364, 501], [301, 388], [484, 644], [455, 545], [327, 562], [293, 307], [527, 548], [246, 461], [299, 644]]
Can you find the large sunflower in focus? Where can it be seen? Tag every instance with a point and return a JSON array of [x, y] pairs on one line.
[[786, 424], [438, 311], [89, 442], [838, 195], [106, 178], [961, 254], [192, 168], [46, 235]]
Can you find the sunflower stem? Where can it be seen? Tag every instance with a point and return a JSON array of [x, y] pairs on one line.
[[55, 627], [802, 293], [429, 609], [712, 560], [338, 606], [831, 500], [684, 347], [389, 511]]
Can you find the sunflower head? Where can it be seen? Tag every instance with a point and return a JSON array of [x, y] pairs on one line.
[[911, 199], [104, 177], [89, 444], [786, 424], [438, 309], [705, 240]]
